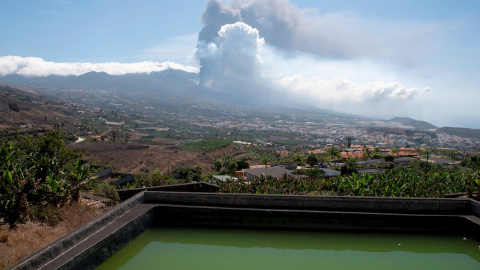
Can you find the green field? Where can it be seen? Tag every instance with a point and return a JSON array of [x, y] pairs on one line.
[[204, 146]]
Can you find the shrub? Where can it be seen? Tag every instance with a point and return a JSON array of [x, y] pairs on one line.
[[38, 172], [106, 191], [13, 107]]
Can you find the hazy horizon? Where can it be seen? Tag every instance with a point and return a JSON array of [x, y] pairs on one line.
[[387, 59]]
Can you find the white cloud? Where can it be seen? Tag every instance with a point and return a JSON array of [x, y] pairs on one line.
[[376, 99], [37, 67], [234, 54]]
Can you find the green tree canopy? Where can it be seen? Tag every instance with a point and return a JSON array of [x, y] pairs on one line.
[[312, 159], [333, 152]]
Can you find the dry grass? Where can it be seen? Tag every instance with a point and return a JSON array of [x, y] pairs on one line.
[[18, 243], [161, 158]]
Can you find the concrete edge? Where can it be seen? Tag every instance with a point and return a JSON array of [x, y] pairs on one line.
[[100, 246], [52, 250], [195, 215], [457, 206], [202, 187], [212, 204]]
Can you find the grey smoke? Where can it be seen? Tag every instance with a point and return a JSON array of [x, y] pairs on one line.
[[214, 16], [287, 27], [282, 25], [234, 33]]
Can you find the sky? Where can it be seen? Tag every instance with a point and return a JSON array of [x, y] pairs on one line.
[[375, 58]]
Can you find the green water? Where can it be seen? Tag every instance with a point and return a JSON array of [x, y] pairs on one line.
[[195, 248]]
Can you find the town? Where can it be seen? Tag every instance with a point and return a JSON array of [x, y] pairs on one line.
[[173, 117]]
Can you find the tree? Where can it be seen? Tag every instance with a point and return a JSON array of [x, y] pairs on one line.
[[376, 153], [333, 152], [218, 165], [471, 162], [242, 164], [265, 160], [349, 167], [312, 159], [349, 141], [229, 164], [389, 158], [367, 153], [395, 151], [13, 107], [314, 172], [187, 173], [297, 159]]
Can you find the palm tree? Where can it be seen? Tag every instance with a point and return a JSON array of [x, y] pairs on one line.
[[333, 152], [265, 160], [367, 153], [395, 151]]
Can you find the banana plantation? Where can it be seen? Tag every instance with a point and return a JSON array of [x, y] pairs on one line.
[[36, 174], [418, 180]]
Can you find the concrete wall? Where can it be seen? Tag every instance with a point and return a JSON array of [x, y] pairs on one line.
[[176, 215], [91, 244], [53, 250], [317, 212], [189, 187], [100, 246], [319, 203]]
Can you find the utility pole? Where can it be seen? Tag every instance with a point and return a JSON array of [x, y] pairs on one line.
[[235, 132], [426, 167]]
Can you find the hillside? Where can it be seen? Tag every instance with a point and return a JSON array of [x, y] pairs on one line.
[[136, 158], [416, 124], [19, 107], [461, 132], [169, 81]]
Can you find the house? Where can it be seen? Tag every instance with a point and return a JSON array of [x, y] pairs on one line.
[[286, 165], [223, 178], [277, 172]]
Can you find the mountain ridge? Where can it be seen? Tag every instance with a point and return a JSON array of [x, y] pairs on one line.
[[416, 124], [169, 80], [461, 132], [184, 83]]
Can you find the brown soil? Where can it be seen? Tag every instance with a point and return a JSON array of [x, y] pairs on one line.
[[18, 243], [30, 112], [124, 158]]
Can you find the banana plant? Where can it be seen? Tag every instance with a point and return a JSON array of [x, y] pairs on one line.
[[78, 178], [13, 190]]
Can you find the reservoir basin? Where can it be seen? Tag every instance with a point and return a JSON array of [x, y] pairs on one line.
[[215, 248]]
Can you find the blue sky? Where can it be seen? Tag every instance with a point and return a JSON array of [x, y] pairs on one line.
[[397, 58]]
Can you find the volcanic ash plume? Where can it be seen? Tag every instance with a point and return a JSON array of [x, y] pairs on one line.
[[233, 55]]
